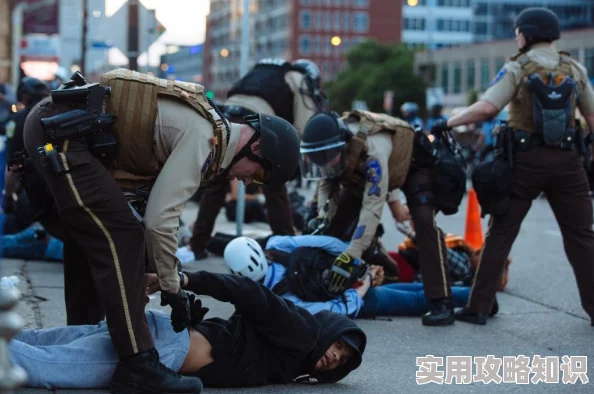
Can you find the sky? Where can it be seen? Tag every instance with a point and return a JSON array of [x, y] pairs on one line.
[[184, 21]]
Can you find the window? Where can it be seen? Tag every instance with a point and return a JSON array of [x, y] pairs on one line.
[[444, 77], [336, 21], [589, 61], [305, 19], [457, 77], [306, 2], [485, 73], [318, 20], [318, 45], [305, 45], [327, 46], [414, 24], [470, 75], [360, 3], [346, 20], [327, 20], [326, 70], [499, 62], [345, 44], [337, 3], [480, 28], [361, 22]]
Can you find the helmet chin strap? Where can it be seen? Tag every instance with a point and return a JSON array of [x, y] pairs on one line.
[[246, 151]]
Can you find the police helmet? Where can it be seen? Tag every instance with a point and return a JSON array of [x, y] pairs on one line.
[[311, 73], [409, 109], [538, 22], [279, 146], [34, 88], [324, 146]]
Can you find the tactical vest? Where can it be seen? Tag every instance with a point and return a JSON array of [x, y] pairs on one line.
[[521, 108], [267, 81], [133, 100], [402, 146]]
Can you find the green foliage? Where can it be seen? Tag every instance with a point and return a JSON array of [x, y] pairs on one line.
[[373, 68], [471, 97]]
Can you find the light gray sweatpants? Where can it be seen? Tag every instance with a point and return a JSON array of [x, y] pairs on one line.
[[84, 357]]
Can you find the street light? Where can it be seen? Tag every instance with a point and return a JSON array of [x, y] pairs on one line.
[[413, 3], [164, 67], [335, 41], [224, 52]]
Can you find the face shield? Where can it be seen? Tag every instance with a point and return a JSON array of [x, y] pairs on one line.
[[324, 162]]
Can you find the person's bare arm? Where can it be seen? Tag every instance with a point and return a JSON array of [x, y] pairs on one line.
[[477, 112]]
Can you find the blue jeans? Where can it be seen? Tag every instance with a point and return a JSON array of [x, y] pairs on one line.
[[404, 299], [25, 245], [83, 356]]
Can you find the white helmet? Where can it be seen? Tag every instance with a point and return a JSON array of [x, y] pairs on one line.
[[245, 257]]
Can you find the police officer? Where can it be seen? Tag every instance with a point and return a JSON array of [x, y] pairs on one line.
[[29, 92], [171, 139], [274, 86], [543, 88], [362, 159], [410, 114]]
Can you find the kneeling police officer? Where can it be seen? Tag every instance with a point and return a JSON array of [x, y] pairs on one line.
[[362, 158], [540, 150], [139, 134]]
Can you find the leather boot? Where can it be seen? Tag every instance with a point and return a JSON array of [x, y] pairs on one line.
[[143, 373], [494, 308], [440, 314], [468, 316]]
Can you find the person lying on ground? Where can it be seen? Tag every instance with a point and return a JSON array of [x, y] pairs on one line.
[[268, 340], [297, 268]]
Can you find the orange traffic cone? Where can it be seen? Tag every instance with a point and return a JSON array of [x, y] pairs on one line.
[[474, 231]]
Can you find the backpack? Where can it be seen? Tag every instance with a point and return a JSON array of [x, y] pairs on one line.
[[307, 273]]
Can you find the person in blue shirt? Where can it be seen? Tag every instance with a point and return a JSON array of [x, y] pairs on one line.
[[434, 115], [245, 257]]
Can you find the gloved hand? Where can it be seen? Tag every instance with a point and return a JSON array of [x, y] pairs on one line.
[[8, 204], [180, 309], [439, 127], [197, 311], [342, 270]]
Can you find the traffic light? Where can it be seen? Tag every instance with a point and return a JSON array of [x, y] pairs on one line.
[[210, 94]]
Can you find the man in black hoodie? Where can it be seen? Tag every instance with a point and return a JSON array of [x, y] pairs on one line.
[[268, 340]]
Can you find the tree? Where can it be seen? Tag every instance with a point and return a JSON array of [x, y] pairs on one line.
[[373, 68]]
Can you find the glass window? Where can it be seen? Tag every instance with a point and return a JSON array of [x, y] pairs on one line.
[[361, 3], [589, 61], [306, 2], [326, 70], [336, 21], [337, 3], [327, 46], [457, 77], [499, 62], [327, 20], [470, 75], [318, 20], [440, 25], [346, 16], [318, 45], [485, 73], [305, 21], [305, 45], [444, 77], [361, 22]]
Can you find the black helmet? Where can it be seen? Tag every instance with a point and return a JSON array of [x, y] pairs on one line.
[[538, 22], [325, 137], [313, 88], [279, 145], [33, 87]]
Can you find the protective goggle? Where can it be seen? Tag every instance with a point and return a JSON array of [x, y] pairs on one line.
[[326, 162]]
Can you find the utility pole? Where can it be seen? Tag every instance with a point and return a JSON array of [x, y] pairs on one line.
[[243, 69], [85, 28], [133, 34]]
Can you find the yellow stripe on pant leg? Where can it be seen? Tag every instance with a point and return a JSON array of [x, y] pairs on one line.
[[478, 266], [114, 254], [441, 260]]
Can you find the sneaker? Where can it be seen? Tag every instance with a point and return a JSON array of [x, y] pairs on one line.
[[143, 373]]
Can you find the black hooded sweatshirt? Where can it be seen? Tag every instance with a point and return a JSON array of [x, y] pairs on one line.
[[268, 340]]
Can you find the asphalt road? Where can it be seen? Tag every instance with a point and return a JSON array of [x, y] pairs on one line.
[[540, 314]]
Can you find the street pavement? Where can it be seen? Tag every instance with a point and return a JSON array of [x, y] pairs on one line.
[[540, 314]]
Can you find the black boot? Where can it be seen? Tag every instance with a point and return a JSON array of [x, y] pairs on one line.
[[144, 373], [471, 317], [440, 314], [494, 308]]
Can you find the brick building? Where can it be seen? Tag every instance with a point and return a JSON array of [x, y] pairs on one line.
[[320, 30]]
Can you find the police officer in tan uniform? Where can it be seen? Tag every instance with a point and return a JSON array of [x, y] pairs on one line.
[[543, 88], [171, 141], [274, 86]]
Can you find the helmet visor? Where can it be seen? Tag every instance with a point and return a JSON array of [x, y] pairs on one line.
[[326, 162]]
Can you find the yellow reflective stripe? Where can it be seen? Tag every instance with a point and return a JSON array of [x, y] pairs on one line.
[[114, 254], [478, 266], [441, 260]]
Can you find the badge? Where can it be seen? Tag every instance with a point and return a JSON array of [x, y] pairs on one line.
[[373, 174], [207, 163], [359, 232], [9, 127], [499, 76]]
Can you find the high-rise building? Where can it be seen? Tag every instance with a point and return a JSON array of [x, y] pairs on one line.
[[182, 62], [320, 30]]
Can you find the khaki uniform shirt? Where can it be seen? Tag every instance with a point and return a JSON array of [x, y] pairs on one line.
[[303, 106], [374, 194], [182, 142], [505, 85]]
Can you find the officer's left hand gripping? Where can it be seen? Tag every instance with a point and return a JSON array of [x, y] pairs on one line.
[[180, 309], [439, 127]]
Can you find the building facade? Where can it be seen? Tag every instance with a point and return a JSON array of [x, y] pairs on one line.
[[464, 69], [183, 63], [320, 30]]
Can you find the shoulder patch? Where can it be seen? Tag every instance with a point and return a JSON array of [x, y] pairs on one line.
[[9, 127], [207, 163], [373, 174], [499, 76]]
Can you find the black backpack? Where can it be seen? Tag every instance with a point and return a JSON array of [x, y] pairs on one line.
[[449, 177], [307, 273]]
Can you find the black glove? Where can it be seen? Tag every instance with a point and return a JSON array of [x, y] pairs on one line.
[[439, 127], [9, 205], [180, 309], [343, 268], [197, 311]]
